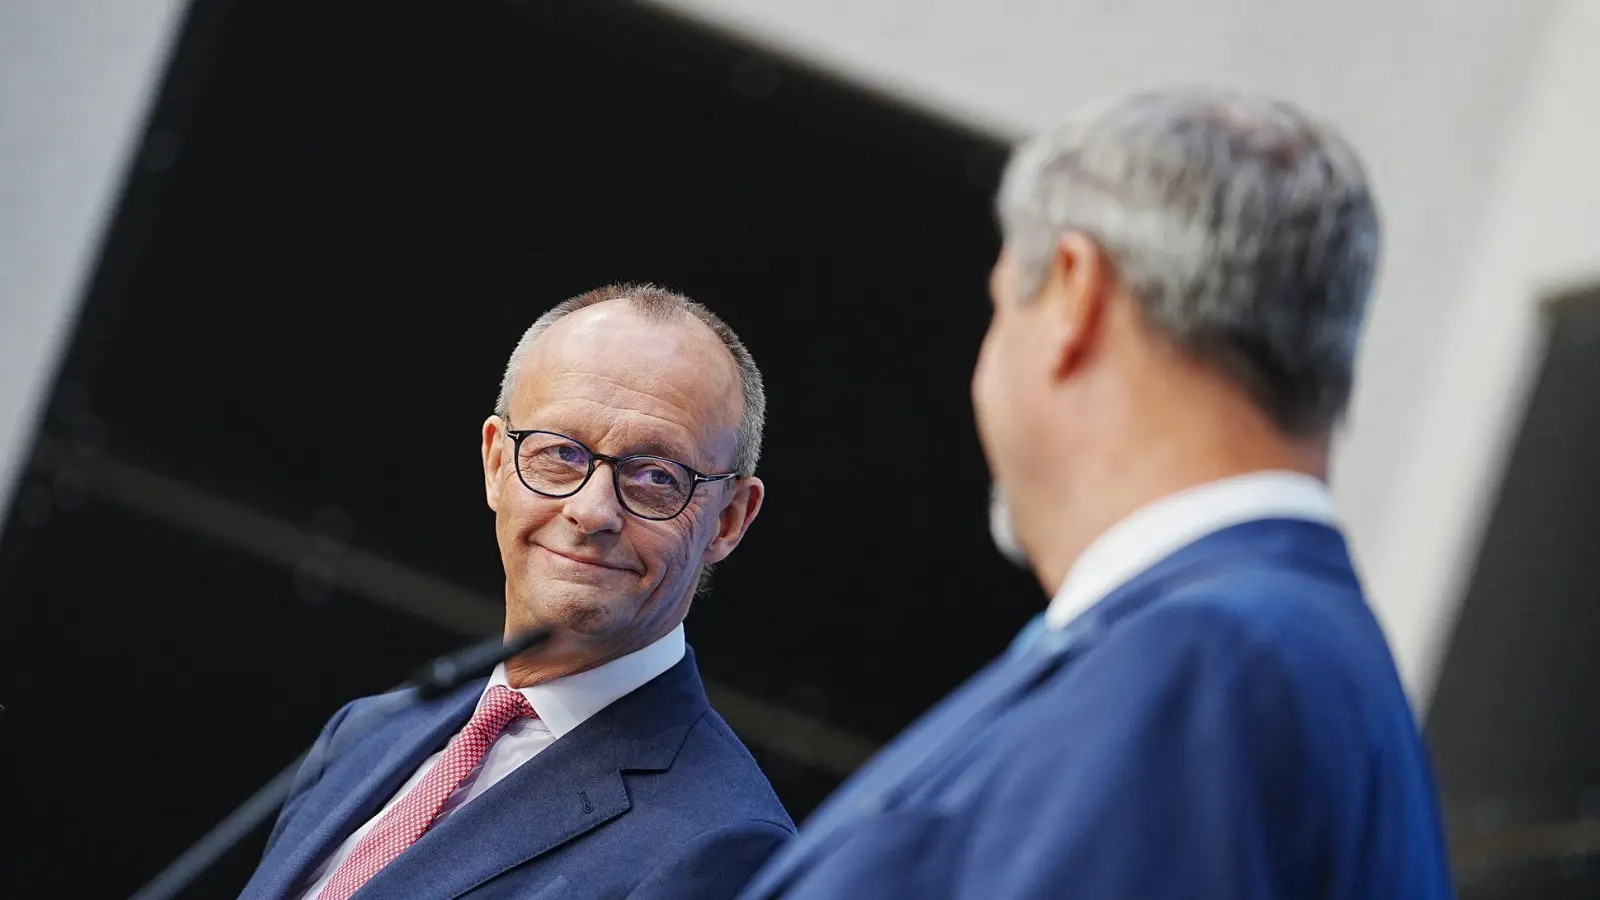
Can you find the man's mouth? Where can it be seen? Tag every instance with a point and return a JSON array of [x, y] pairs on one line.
[[583, 559]]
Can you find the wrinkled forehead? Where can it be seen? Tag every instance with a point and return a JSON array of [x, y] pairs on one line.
[[627, 381]]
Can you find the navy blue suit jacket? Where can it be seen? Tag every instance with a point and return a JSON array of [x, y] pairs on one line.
[[1227, 726], [652, 797]]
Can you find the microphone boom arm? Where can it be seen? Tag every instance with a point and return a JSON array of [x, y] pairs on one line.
[[431, 681]]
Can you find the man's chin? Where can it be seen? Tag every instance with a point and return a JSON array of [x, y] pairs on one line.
[[1003, 530], [574, 608]]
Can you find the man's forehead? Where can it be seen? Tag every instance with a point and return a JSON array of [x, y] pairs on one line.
[[675, 363], [613, 328]]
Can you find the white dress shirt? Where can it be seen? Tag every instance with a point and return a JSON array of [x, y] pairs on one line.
[[1160, 529], [562, 705]]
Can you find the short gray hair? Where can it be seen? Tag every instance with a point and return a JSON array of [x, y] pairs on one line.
[[659, 304], [1244, 229]]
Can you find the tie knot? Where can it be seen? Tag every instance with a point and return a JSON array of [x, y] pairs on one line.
[[499, 707]]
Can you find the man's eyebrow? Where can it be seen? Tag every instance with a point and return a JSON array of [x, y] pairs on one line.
[[655, 447]]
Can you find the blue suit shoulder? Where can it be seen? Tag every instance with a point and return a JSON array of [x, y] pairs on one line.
[[1236, 651], [1298, 660], [1313, 638], [715, 815], [713, 752], [362, 715], [1249, 736]]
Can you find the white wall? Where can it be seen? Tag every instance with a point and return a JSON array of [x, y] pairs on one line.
[[1540, 232], [75, 78], [1463, 132]]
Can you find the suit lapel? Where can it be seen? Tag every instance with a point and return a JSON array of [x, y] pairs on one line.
[[363, 778], [572, 787]]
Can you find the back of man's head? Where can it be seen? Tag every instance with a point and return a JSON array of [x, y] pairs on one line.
[[1243, 228]]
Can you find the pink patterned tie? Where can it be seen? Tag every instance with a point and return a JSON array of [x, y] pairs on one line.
[[409, 819]]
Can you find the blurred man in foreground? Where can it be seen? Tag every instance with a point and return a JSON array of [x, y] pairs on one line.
[[619, 463], [1208, 709]]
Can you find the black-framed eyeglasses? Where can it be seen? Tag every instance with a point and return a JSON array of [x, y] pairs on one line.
[[650, 487]]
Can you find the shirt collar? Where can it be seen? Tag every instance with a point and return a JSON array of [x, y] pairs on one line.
[[1160, 529], [564, 703]]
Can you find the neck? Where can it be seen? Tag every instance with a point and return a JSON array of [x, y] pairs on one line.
[[569, 654], [1181, 440]]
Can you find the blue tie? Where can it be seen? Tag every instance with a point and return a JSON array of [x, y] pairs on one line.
[[1028, 636]]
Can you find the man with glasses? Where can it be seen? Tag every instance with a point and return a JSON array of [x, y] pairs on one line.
[[620, 465]]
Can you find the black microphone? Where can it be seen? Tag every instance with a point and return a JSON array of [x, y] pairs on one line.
[[431, 681], [447, 673]]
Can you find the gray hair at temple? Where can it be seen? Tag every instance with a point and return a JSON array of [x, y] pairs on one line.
[[1244, 228], [659, 304]]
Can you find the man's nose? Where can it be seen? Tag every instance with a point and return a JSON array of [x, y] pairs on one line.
[[594, 509]]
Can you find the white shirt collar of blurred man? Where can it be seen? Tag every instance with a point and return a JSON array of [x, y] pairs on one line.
[[1160, 529]]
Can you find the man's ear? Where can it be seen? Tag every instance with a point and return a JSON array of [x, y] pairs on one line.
[[1080, 286], [735, 518], [495, 449]]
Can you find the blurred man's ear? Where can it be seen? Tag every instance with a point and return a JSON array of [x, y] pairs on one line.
[[1081, 283]]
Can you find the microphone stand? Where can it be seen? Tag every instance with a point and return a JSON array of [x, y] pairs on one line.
[[431, 681]]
